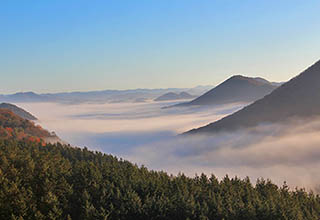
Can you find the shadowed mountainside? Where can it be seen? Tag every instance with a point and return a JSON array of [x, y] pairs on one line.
[[235, 89], [300, 97]]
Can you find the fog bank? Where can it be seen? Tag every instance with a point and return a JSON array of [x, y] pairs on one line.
[[144, 133]]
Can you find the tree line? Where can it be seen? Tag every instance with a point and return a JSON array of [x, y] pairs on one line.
[[63, 182]]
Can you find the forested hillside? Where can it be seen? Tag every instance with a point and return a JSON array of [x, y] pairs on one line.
[[18, 111], [13, 126], [61, 182]]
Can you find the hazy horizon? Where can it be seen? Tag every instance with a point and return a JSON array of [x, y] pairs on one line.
[[106, 89]]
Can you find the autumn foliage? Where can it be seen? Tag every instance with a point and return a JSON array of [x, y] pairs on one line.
[[14, 127]]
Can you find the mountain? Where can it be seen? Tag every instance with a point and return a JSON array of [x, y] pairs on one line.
[[235, 89], [174, 96], [24, 97], [104, 96], [18, 111], [15, 127], [277, 84], [298, 98]]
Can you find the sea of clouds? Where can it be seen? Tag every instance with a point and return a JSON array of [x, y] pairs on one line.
[[147, 134]]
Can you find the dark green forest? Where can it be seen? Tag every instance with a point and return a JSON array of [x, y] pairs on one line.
[[62, 182]]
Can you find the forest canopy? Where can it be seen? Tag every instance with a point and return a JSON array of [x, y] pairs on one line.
[[62, 182]]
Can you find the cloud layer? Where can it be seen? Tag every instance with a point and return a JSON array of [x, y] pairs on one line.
[[146, 134]]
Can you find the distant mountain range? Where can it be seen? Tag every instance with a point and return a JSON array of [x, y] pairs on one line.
[[24, 97], [170, 96], [235, 89], [18, 111], [298, 98], [112, 96]]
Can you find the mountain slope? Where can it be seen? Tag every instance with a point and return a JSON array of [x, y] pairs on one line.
[[235, 89], [174, 96], [15, 127], [300, 97], [18, 111]]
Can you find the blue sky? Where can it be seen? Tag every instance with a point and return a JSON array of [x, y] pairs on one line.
[[50, 46]]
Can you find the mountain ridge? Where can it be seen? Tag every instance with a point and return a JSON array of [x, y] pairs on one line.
[[237, 88], [299, 97], [98, 96]]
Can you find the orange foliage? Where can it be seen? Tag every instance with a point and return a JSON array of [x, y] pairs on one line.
[[13, 126], [10, 131]]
